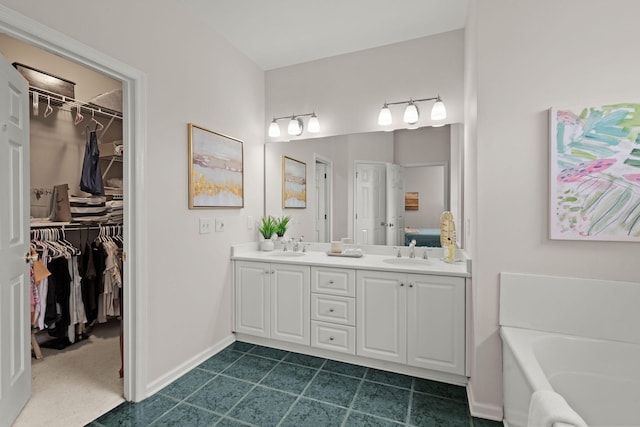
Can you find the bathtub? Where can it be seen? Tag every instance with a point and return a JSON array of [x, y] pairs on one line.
[[599, 379]]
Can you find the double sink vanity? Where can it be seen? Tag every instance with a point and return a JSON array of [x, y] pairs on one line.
[[401, 314]]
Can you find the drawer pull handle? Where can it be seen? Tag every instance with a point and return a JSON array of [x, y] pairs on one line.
[[331, 282], [331, 338], [331, 310]]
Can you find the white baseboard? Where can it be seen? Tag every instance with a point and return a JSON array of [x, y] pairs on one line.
[[482, 410], [157, 385]]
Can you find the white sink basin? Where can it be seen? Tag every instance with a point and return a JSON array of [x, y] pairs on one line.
[[287, 254], [407, 261]]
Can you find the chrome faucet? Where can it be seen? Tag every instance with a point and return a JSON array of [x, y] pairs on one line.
[[412, 249], [296, 245]]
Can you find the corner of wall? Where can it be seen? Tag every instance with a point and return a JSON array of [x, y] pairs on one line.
[[482, 410]]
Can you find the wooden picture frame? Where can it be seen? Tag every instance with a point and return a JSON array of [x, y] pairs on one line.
[[216, 169], [294, 183]]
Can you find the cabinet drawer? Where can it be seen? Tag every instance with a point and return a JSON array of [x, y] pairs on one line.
[[334, 309], [334, 281], [333, 337]]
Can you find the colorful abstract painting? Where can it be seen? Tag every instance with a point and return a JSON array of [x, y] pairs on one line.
[[595, 173]]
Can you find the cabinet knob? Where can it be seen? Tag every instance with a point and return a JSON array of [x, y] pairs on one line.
[[331, 310], [273, 272], [401, 284], [331, 338], [411, 285], [331, 282]]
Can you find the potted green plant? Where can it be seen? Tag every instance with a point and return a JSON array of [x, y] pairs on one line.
[[281, 229], [267, 229], [281, 225]]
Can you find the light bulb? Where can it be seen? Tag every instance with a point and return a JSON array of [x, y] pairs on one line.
[[384, 118], [274, 129], [313, 125], [295, 126], [438, 112], [411, 114]]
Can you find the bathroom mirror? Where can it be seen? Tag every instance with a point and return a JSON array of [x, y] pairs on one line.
[[428, 158]]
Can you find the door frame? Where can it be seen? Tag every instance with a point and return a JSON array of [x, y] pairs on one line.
[[134, 88]]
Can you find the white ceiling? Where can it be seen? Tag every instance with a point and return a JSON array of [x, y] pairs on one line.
[[278, 33]]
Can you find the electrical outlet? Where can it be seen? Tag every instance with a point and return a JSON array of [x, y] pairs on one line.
[[219, 225], [205, 225], [249, 223]]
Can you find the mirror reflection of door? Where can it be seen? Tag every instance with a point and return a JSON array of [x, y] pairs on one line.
[[322, 229], [370, 204], [395, 205]]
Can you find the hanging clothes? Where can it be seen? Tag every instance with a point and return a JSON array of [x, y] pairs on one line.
[[91, 179]]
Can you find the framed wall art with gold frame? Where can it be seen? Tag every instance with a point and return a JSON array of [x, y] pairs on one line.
[[216, 175], [294, 183]]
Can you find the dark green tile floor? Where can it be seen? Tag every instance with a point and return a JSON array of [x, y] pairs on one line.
[[251, 385]]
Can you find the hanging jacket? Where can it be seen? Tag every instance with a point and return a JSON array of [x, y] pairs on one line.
[[91, 178]]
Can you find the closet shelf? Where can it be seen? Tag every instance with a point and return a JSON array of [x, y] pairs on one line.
[[72, 104]]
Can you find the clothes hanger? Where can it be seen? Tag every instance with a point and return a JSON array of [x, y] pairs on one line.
[[49, 109], [36, 101], [79, 117], [99, 126]]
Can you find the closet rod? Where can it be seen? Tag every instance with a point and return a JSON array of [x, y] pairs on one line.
[[71, 227], [74, 102]]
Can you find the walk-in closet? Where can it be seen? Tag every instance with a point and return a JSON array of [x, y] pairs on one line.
[[77, 235]]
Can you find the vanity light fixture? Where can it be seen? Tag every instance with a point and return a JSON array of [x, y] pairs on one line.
[[296, 126], [411, 112]]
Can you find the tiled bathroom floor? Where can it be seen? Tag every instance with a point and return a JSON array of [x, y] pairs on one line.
[[251, 385]]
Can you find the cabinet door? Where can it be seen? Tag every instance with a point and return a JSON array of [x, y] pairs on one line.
[[291, 303], [436, 323], [381, 315], [252, 298]]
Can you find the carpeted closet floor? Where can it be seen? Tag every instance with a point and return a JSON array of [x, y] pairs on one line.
[[71, 387]]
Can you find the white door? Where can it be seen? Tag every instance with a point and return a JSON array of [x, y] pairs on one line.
[[381, 315], [321, 203], [15, 354], [252, 290], [291, 303], [436, 323], [395, 205], [370, 204]]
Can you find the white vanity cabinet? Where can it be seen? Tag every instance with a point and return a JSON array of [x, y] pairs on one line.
[[412, 319], [333, 309], [273, 301]]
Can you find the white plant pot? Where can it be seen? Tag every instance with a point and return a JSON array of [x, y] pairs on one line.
[[267, 245]]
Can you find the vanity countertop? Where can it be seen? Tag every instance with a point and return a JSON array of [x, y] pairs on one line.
[[384, 259]]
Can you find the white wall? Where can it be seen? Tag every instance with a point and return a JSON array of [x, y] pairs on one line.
[[530, 56], [193, 75], [347, 91]]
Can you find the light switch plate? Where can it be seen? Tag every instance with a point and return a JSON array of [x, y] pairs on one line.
[[219, 225], [205, 225], [249, 223]]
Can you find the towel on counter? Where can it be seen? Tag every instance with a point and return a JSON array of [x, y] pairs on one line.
[[548, 407]]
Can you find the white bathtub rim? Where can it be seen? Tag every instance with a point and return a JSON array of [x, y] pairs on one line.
[[520, 341]]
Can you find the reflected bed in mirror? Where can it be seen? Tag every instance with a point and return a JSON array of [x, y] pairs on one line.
[[357, 184]]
